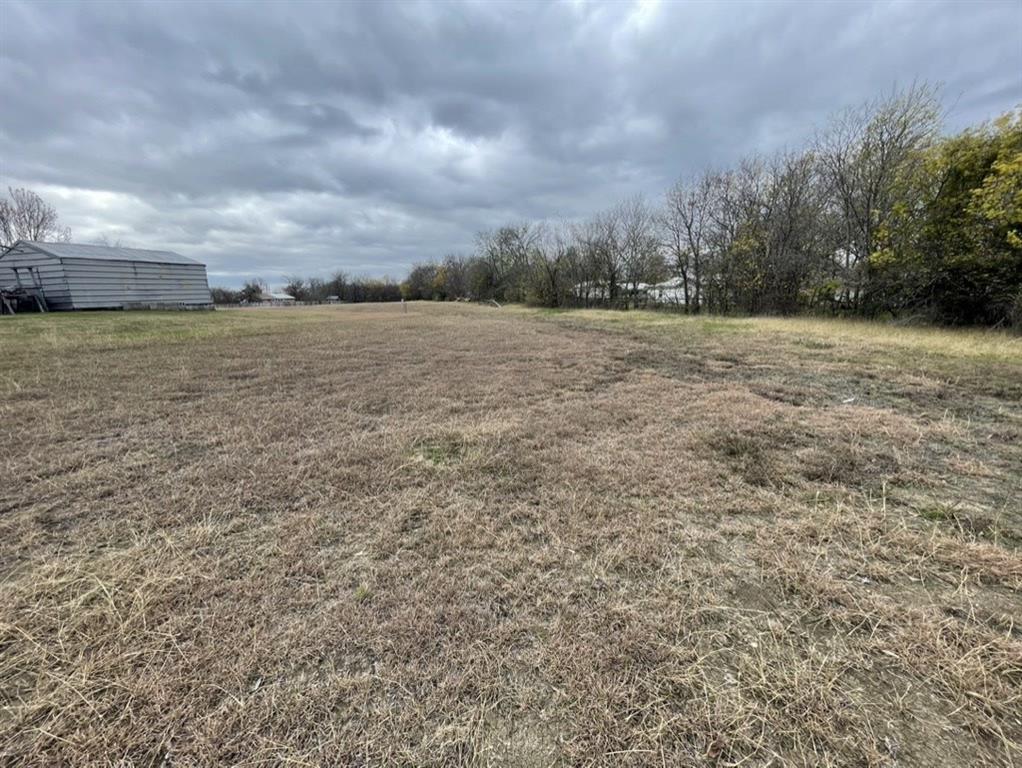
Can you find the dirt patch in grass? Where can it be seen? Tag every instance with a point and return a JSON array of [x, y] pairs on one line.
[[470, 536]]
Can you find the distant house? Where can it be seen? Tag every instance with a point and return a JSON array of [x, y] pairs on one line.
[[72, 276], [591, 291], [668, 292], [274, 297]]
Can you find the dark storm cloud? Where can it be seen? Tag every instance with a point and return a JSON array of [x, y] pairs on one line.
[[303, 137]]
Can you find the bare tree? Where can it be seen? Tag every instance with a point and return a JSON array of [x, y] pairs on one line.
[[455, 276], [640, 245], [602, 241], [585, 263], [253, 290], [864, 154], [338, 284], [725, 216], [553, 257], [507, 253], [316, 289], [296, 287], [105, 240], [685, 221], [795, 245], [26, 216]]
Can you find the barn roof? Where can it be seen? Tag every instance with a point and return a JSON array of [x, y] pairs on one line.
[[109, 253]]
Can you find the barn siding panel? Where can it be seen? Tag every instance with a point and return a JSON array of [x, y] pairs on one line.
[[95, 283], [49, 269]]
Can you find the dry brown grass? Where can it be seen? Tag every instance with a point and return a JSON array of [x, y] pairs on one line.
[[469, 536]]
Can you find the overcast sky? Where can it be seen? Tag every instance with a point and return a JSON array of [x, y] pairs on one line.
[[304, 137]]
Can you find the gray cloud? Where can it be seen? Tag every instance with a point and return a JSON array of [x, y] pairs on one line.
[[276, 138]]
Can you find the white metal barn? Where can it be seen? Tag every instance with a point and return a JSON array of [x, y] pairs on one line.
[[72, 276]]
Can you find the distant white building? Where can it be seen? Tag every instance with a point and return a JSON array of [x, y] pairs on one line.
[[668, 292], [594, 291], [275, 297]]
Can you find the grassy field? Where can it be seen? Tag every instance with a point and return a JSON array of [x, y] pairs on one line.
[[471, 536]]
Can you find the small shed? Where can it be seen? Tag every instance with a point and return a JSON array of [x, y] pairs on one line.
[[72, 276]]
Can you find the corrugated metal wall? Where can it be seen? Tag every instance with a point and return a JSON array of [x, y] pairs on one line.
[[96, 283], [25, 262]]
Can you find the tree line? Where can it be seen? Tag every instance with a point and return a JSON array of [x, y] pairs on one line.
[[880, 215], [339, 287]]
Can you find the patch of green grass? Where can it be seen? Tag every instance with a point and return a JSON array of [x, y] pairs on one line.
[[857, 336], [719, 325], [363, 593], [104, 330], [853, 336], [441, 451], [978, 360], [814, 344], [935, 514], [648, 320], [60, 330]]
